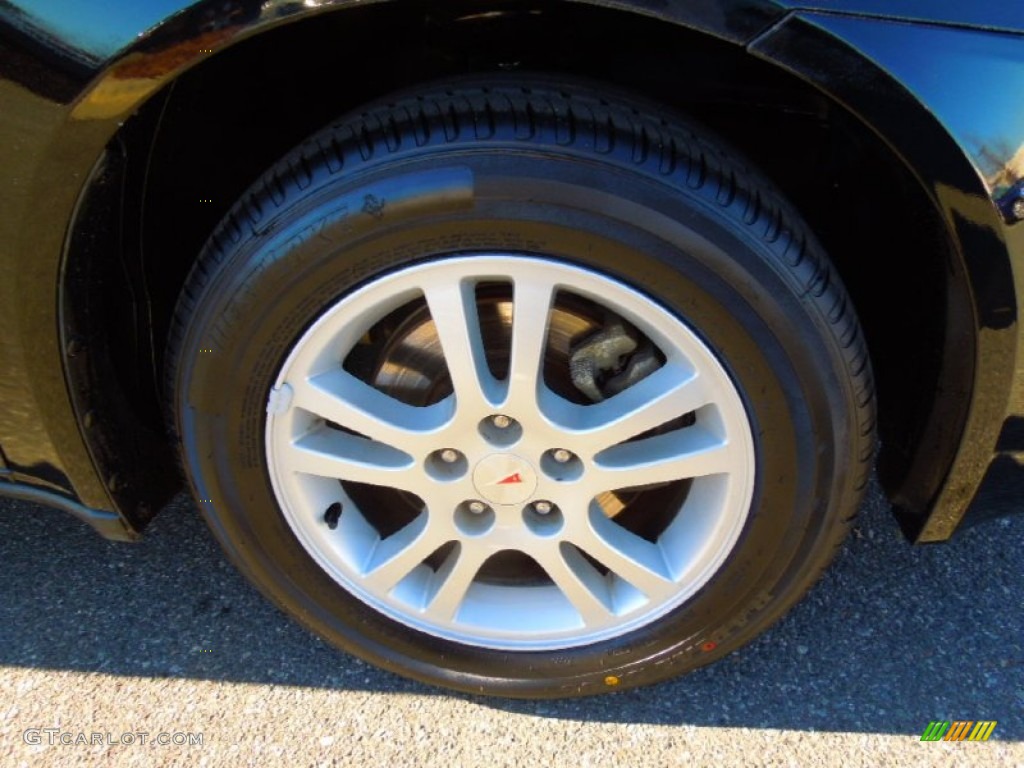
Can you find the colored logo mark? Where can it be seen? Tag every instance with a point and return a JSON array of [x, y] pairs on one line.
[[959, 730]]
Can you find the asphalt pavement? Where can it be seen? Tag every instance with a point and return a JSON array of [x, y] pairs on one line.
[[101, 643]]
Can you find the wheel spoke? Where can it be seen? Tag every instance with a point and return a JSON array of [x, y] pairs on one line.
[[340, 397], [667, 394], [453, 309], [394, 557], [452, 581], [626, 555], [584, 587], [532, 300], [331, 453], [684, 453]]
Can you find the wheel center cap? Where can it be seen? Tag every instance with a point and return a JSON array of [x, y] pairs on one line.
[[504, 478]]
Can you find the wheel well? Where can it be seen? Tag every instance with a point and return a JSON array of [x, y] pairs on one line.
[[177, 166]]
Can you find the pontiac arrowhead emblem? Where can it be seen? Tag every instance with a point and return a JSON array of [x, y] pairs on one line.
[[504, 479]]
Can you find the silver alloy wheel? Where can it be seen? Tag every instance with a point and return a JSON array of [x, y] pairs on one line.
[[326, 425]]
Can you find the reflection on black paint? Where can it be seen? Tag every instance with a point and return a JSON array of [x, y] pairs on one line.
[[38, 60]]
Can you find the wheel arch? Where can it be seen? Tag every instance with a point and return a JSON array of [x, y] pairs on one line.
[[892, 93], [156, 80]]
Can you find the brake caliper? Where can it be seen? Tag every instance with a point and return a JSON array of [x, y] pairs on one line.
[[610, 360]]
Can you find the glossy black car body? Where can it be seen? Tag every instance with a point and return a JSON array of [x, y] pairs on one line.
[[126, 134]]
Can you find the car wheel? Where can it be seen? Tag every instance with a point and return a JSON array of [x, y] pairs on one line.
[[522, 388]]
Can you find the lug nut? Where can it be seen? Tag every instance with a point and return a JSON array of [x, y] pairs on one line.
[[542, 507], [561, 455], [501, 421], [449, 455], [477, 507]]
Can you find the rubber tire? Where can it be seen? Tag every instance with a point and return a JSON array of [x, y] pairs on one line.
[[577, 173]]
